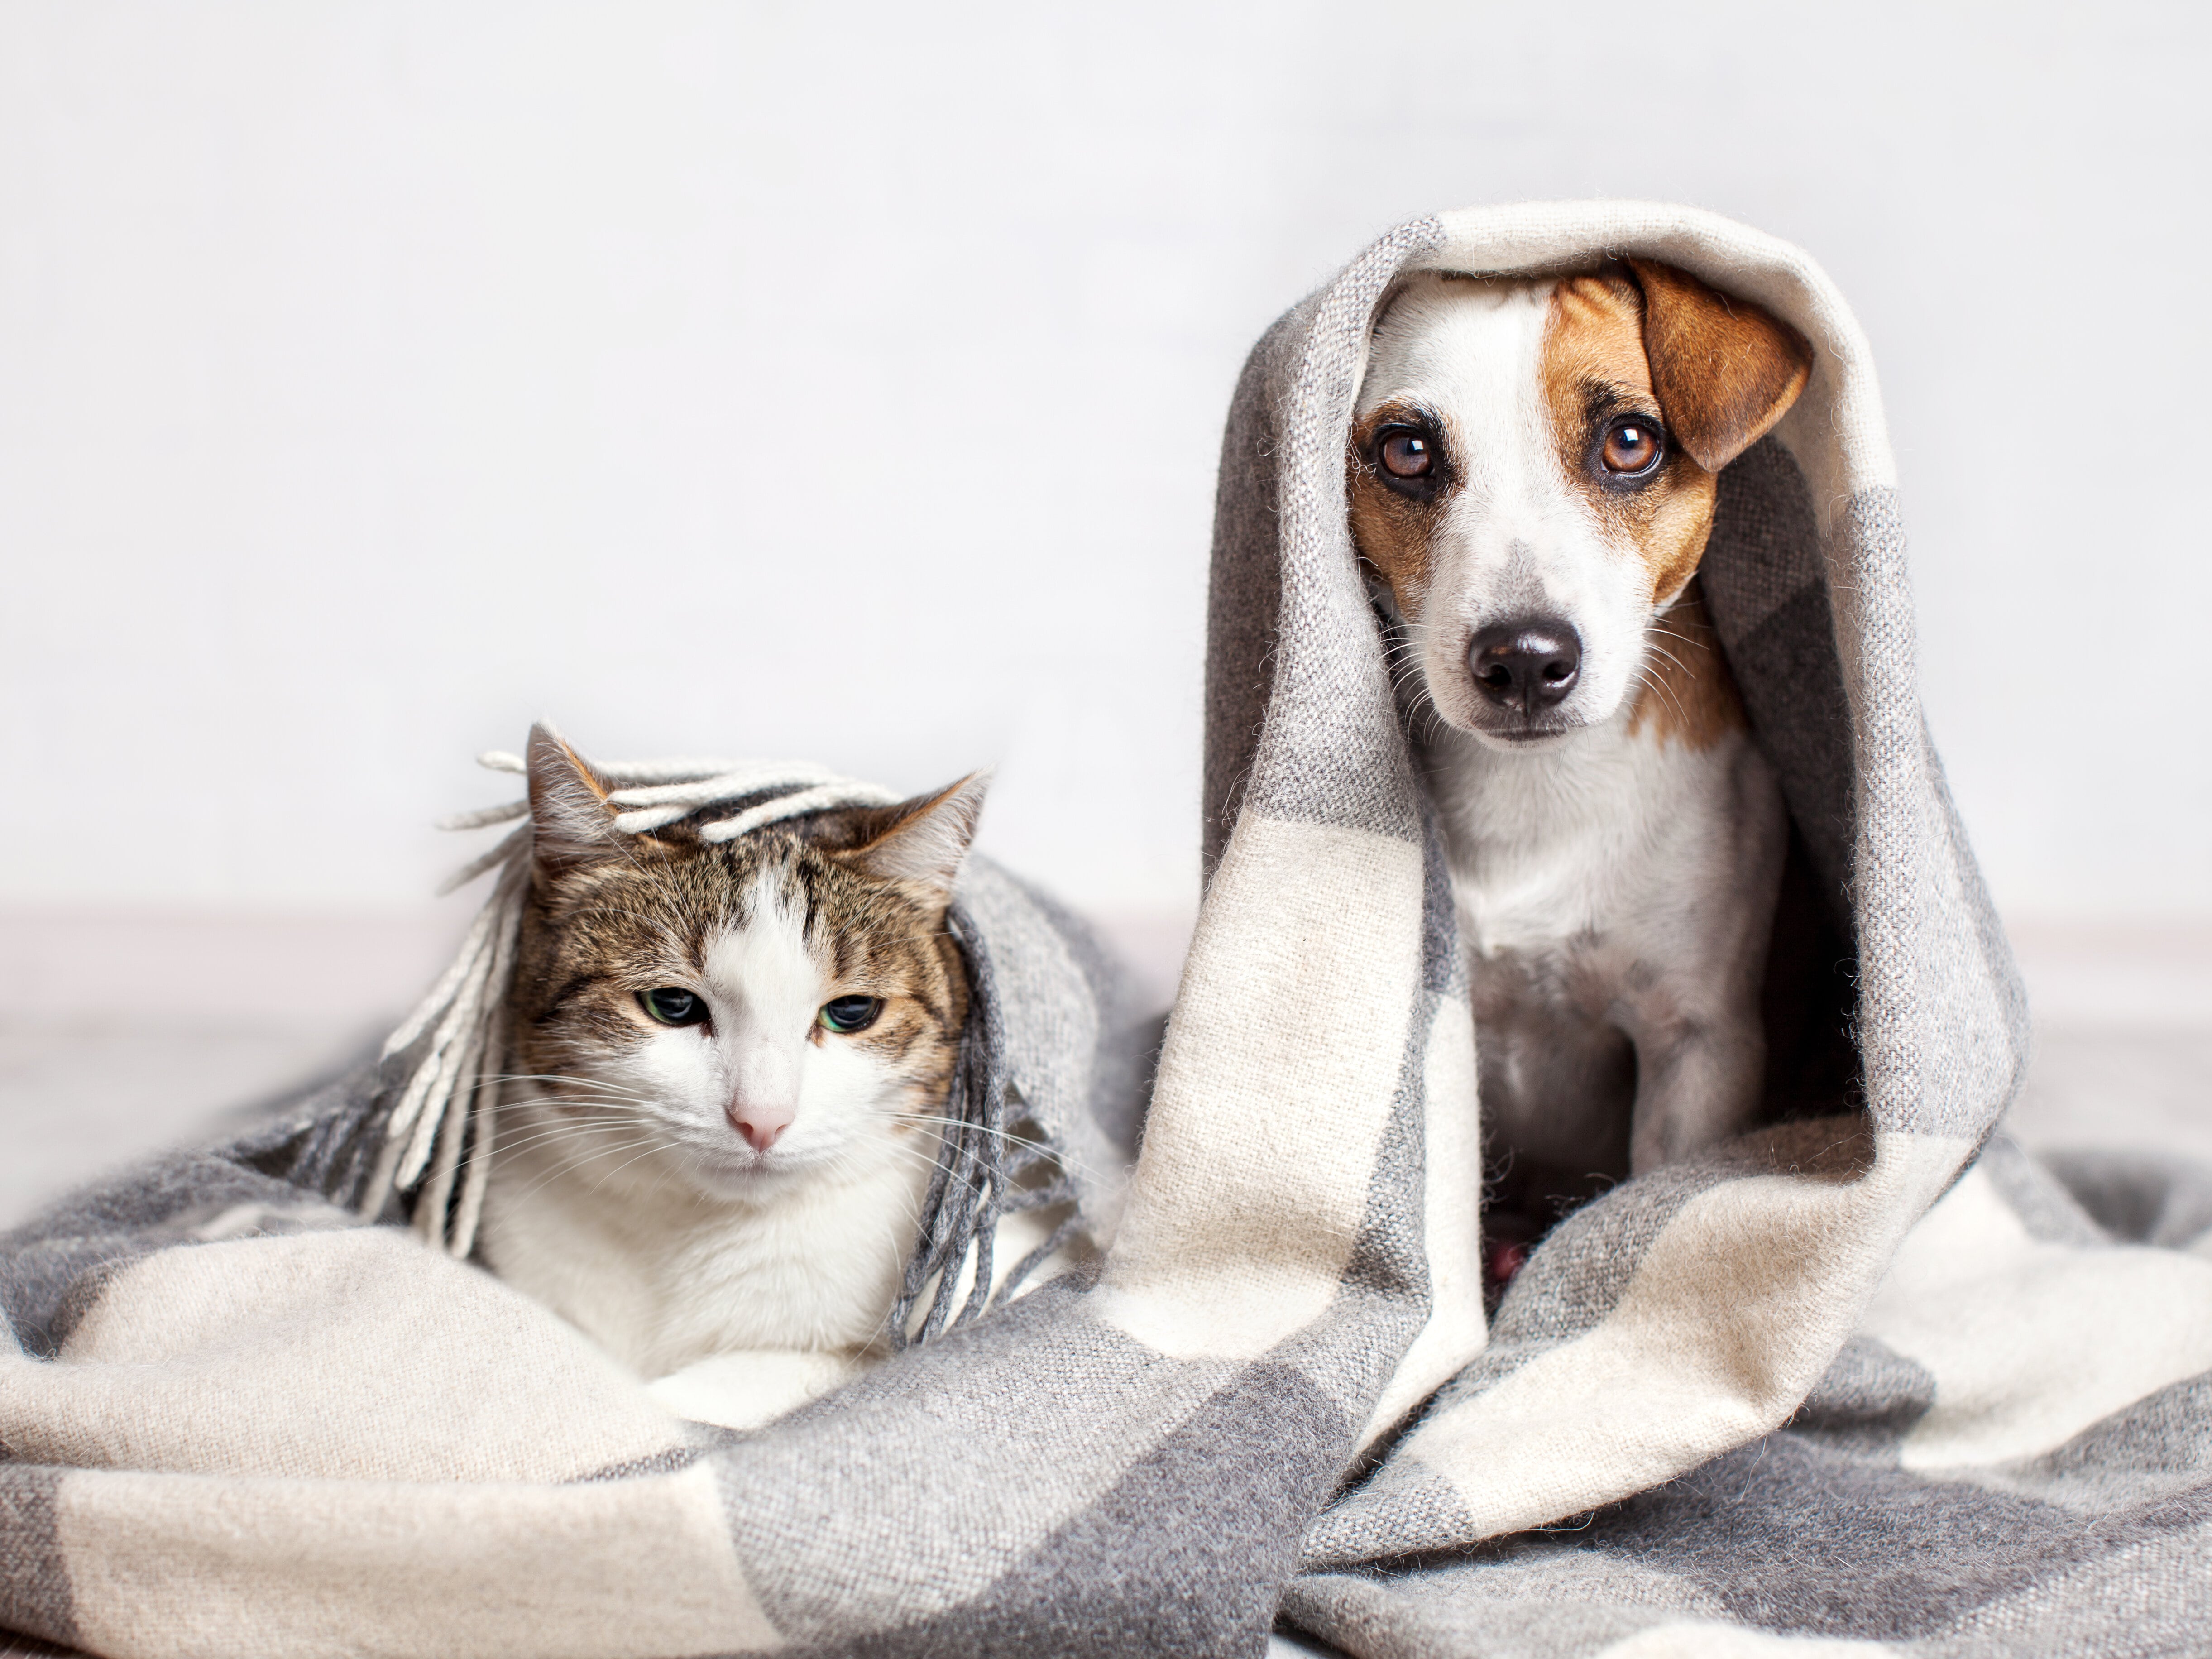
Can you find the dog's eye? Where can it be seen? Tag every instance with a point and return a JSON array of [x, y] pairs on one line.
[[1405, 453], [849, 1014], [673, 1006], [1631, 444]]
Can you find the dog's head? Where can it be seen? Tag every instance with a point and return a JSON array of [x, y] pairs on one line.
[[1531, 476]]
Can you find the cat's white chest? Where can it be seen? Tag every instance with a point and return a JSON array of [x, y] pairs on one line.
[[662, 1275]]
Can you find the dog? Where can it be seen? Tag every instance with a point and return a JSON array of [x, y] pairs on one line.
[[1531, 473]]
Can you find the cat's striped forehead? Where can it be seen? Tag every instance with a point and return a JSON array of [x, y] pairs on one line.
[[660, 912]]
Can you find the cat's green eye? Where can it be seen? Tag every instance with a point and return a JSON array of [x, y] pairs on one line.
[[673, 1006], [849, 1014]]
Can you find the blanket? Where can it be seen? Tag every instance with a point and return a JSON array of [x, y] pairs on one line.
[[1869, 1375]]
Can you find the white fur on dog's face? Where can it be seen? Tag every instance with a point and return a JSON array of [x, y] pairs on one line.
[[1511, 376]]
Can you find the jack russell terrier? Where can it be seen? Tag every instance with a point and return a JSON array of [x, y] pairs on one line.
[[1531, 476]]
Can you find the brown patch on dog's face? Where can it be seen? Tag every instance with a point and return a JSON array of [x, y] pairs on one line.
[[1614, 447], [1687, 695], [1399, 478]]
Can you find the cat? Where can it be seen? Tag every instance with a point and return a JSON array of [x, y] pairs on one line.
[[730, 1063]]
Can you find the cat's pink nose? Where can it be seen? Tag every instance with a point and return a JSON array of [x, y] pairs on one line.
[[759, 1125]]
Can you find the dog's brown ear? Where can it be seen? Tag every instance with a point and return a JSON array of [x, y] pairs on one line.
[[1724, 370]]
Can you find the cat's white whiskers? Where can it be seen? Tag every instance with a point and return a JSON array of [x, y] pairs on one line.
[[574, 1111], [565, 1079], [1045, 1148], [574, 1163], [576, 1103], [656, 1145], [928, 1160], [541, 1137]]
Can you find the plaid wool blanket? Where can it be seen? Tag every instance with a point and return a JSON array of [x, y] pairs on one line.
[[1868, 1379]]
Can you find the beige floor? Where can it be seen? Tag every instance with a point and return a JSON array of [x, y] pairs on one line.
[[77, 1100]]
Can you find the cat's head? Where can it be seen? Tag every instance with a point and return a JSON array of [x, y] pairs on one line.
[[744, 1011]]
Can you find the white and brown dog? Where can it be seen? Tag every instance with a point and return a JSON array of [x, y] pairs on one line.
[[1531, 483]]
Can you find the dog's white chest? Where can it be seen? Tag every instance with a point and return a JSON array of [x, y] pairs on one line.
[[1611, 894], [1591, 845]]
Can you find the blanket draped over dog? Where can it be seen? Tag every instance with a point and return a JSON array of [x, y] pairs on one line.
[[1866, 1373]]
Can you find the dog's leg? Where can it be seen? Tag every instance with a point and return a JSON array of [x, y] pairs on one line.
[[1698, 1082], [1693, 1011]]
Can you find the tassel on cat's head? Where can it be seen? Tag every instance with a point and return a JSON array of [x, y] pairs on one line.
[[572, 820], [921, 842]]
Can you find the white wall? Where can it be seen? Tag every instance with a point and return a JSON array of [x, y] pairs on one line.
[[846, 382]]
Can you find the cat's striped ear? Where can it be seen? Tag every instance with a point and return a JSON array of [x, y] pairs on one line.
[[571, 820], [927, 838]]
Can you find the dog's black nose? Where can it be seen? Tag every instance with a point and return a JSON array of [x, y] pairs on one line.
[[1527, 664]]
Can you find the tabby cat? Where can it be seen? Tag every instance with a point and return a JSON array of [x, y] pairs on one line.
[[732, 1059]]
